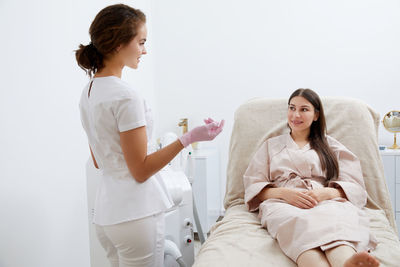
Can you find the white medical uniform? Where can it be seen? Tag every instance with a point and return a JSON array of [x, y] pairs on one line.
[[113, 107]]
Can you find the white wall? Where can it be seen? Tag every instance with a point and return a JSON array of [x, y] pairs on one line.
[[205, 59], [43, 147], [214, 55]]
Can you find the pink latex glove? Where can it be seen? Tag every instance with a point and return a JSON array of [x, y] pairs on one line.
[[202, 133]]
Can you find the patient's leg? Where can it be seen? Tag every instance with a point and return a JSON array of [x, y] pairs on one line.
[[312, 258], [347, 257]]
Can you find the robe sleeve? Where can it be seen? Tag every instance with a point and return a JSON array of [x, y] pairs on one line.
[[256, 177], [350, 174]]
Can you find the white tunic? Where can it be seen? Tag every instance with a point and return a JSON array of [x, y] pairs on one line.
[[114, 107], [281, 163]]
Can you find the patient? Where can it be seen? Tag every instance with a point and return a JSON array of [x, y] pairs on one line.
[[310, 192]]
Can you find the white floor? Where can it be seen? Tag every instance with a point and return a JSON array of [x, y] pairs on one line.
[[197, 246], [197, 243]]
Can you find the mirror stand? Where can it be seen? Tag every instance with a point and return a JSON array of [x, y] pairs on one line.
[[394, 146]]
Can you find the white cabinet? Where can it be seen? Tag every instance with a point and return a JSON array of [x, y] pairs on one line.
[[391, 164], [206, 187]]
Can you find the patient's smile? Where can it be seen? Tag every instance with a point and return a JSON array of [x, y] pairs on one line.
[[297, 122]]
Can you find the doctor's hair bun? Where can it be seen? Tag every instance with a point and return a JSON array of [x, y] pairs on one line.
[[89, 59], [112, 27]]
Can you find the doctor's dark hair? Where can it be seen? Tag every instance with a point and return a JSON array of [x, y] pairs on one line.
[[317, 136], [113, 26]]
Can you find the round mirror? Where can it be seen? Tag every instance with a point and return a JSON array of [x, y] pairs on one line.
[[391, 122]]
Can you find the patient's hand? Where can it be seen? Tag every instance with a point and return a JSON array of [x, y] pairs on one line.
[[321, 194], [300, 199]]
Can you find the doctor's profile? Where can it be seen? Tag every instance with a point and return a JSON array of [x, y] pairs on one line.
[[309, 191], [131, 199]]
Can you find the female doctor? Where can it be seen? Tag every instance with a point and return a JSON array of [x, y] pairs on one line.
[[130, 202]]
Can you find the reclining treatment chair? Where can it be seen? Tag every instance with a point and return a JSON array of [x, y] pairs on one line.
[[239, 239]]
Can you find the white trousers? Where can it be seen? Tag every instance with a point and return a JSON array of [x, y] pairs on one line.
[[134, 243]]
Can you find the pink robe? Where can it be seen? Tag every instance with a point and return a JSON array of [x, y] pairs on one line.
[[281, 163]]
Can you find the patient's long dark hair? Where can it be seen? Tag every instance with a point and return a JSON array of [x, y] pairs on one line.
[[317, 135]]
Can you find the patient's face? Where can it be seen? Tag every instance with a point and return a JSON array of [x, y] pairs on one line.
[[301, 114]]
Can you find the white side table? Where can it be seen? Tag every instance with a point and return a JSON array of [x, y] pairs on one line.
[[391, 165], [206, 187]]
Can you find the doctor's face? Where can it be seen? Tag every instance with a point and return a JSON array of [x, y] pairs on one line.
[[301, 114], [130, 53]]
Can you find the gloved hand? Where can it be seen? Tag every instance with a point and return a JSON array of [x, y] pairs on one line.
[[202, 133]]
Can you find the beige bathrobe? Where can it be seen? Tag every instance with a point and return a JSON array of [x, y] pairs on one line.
[[281, 163]]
